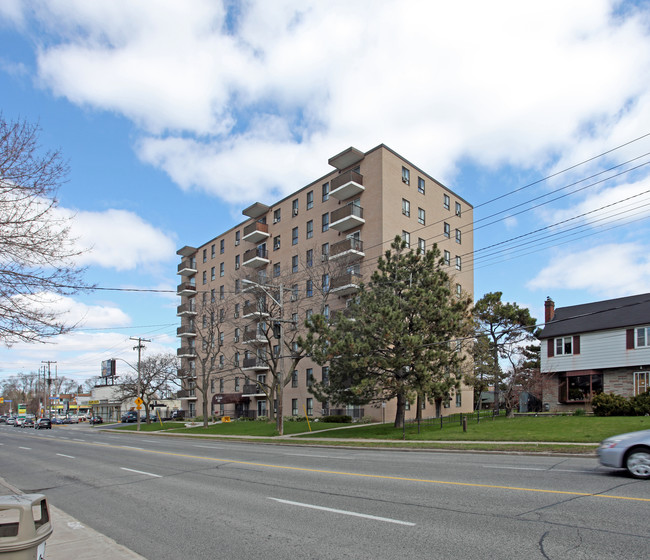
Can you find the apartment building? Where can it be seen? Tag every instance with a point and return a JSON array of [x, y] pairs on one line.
[[246, 293]]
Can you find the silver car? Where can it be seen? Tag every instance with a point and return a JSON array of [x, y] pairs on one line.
[[629, 451]]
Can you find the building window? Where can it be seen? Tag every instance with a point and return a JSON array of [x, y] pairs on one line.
[[406, 176], [236, 384], [445, 201], [221, 385], [310, 200], [237, 238], [325, 251], [325, 221], [579, 388], [446, 229], [205, 276], [276, 270], [459, 263], [212, 273], [641, 382], [325, 375], [294, 207], [326, 312], [294, 236], [310, 258], [212, 251], [294, 378], [309, 376], [406, 237], [310, 406], [236, 359], [277, 216], [294, 263], [310, 229], [237, 285], [326, 192], [459, 399], [237, 308], [222, 293], [326, 283], [237, 334], [564, 346], [457, 236], [294, 407], [276, 242], [406, 207], [420, 185], [458, 211], [421, 216], [205, 255], [236, 262], [222, 246], [459, 290], [221, 269], [422, 245], [221, 361], [309, 289], [642, 337], [212, 296]]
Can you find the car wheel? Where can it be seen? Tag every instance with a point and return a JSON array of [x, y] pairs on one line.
[[637, 462]]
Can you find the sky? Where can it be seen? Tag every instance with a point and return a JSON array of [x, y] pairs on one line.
[[175, 116]]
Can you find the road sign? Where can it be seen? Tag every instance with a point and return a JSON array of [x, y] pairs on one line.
[[139, 407], [138, 401]]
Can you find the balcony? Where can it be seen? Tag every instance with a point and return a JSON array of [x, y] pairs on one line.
[[189, 394], [347, 217], [255, 309], [186, 352], [253, 337], [186, 289], [186, 373], [256, 258], [254, 363], [351, 248], [253, 390], [346, 185], [186, 309], [347, 283], [187, 267], [256, 232], [185, 331]]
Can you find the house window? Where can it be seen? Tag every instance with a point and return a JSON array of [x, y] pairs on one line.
[[310, 258], [325, 221], [457, 236], [641, 382], [420, 185], [459, 399], [421, 216], [326, 192], [294, 378], [458, 211], [277, 216], [294, 263], [309, 375], [276, 242], [294, 236], [236, 262], [447, 258], [446, 229], [310, 229], [276, 270], [642, 337], [406, 207], [445, 201], [564, 345], [422, 245], [406, 237], [406, 176], [459, 263], [310, 200], [221, 269], [579, 388]]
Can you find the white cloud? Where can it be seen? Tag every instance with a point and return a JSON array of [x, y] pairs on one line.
[[610, 270], [119, 239]]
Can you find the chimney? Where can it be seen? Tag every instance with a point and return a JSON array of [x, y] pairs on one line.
[[549, 310]]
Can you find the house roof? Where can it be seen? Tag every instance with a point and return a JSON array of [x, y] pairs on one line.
[[628, 311]]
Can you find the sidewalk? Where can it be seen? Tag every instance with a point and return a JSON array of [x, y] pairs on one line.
[[72, 539]]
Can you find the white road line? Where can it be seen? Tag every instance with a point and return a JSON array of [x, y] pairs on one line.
[[131, 447], [315, 456], [141, 472], [28, 448], [68, 456], [343, 512], [78, 439], [208, 446], [514, 468]]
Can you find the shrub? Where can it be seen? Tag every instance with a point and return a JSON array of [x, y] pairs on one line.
[[338, 419], [579, 412], [262, 419], [294, 418], [641, 404], [607, 404]]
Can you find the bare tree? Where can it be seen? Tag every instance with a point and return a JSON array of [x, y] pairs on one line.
[[36, 250]]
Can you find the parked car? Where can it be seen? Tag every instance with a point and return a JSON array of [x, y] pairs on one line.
[[629, 451], [19, 422], [3, 418], [43, 424], [95, 420], [11, 421], [130, 416], [28, 423], [178, 415]]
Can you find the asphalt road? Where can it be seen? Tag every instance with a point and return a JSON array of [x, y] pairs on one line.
[[170, 498]]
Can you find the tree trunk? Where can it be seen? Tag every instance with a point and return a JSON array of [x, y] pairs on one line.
[[399, 413], [205, 409]]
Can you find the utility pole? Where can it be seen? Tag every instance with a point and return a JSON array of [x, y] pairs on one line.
[[49, 382], [139, 348]]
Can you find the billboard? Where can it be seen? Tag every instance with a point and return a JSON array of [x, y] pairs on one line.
[[108, 368]]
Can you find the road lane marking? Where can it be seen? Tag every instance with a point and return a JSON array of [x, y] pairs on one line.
[[315, 456], [68, 456], [382, 477], [141, 472], [208, 446], [345, 512], [28, 448], [538, 469]]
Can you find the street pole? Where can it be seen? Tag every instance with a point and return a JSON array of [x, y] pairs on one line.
[[139, 348], [49, 381], [280, 419]]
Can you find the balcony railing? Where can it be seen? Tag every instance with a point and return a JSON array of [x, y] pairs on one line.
[[347, 217], [347, 185], [253, 336], [186, 330], [346, 283], [251, 389], [186, 352], [255, 308], [186, 394], [256, 257], [187, 267], [256, 232], [186, 309], [186, 289], [350, 247], [254, 363]]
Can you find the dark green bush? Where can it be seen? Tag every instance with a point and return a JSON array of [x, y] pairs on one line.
[[337, 418], [641, 404], [608, 404]]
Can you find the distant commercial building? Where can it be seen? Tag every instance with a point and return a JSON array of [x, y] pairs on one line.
[[308, 253]]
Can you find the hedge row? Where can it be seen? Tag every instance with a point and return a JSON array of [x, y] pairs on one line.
[[607, 404]]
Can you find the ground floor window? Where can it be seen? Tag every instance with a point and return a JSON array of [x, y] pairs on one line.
[[310, 407], [641, 382], [579, 387], [294, 407], [261, 408]]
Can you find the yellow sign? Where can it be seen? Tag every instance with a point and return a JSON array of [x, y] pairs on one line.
[[138, 401], [226, 419], [139, 407], [2, 400], [93, 402]]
